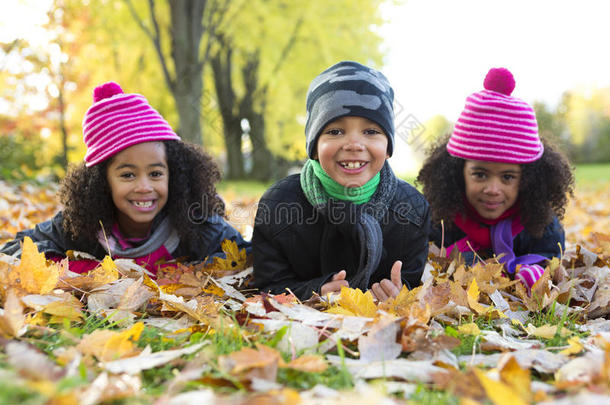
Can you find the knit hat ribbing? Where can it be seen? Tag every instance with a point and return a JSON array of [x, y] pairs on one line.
[[496, 127], [117, 121], [349, 89]]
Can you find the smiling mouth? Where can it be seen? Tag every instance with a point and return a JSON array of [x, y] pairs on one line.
[[142, 204], [352, 165]]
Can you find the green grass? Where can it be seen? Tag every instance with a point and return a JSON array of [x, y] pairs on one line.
[[243, 188], [592, 175], [424, 395]]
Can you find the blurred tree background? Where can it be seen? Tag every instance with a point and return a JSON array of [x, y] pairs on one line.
[[231, 75]]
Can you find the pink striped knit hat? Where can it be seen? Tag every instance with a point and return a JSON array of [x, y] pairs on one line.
[[117, 121], [496, 127]]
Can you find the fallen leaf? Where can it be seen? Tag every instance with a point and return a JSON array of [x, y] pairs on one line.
[[498, 392], [354, 302], [517, 378], [544, 331], [308, 363], [147, 360], [12, 319], [33, 274], [473, 298], [108, 345], [575, 346], [469, 329], [380, 342]]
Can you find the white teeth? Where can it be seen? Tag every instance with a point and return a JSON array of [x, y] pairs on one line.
[[143, 204], [352, 165]]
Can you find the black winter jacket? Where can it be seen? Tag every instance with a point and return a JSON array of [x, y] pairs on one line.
[[49, 237], [550, 245], [287, 241]]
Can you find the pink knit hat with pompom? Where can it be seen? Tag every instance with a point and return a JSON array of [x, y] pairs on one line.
[[496, 127], [117, 121]]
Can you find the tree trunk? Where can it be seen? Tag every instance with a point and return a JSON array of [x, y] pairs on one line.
[[262, 159], [186, 32], [62, 126], [221, 66]]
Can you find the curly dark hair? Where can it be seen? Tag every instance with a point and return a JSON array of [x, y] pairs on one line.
[[87, 200], [544, 187]]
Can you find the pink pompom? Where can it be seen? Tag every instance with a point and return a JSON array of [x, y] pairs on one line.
[[106, 90], [500, 80]]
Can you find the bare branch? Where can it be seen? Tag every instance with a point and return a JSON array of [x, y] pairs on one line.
[[171, 83], [154, 37]]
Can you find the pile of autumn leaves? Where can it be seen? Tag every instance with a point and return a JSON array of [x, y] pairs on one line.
[[387, 349]]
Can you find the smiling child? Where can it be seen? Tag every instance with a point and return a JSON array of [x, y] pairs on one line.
[[345, 220], [497, 187], [141, 193]]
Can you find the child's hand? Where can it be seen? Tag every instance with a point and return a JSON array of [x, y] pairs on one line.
[[386, 288], [335, 284]]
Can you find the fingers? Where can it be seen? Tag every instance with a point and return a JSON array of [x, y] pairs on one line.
[[338, 281], [378, 292], [395, 275], [339, 276]]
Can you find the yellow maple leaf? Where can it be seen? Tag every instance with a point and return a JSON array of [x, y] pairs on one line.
[[517, 378], [108, 345], [107, 272], [575, 346], [356, 302], [469, 329], [544, 331], [12, 320], [61, 310], [234, 258], [498, 392], [473, 298], [33, 274]]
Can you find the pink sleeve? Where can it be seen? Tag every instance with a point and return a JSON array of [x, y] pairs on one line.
[[529, 274], [77, 266]]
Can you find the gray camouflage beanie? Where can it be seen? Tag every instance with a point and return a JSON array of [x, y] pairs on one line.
[[349, 89]]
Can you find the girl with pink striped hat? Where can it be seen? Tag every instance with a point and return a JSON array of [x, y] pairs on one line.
[[495, 188], [141, 192]]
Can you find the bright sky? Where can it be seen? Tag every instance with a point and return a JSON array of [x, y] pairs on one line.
[[438, 51]]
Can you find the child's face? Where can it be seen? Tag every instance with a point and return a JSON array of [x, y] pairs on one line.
[[352, 150], [138, 177], [491, 187]]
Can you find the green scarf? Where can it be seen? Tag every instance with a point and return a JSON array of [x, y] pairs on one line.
[[356, 195]]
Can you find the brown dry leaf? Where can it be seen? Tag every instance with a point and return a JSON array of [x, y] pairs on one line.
[[498, 392], [12, 320], [33, 274], [107, 272], [202, 309], [109, 345], [249, 363], [309, 363], [517, 378], [415, 331], [354, 302], [380, 342], [136, 296], [31, 362], [601, 300]]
